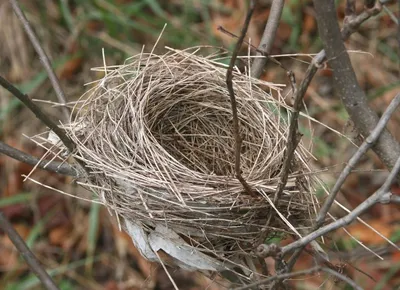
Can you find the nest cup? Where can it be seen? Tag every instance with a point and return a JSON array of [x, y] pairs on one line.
[[157, 136]]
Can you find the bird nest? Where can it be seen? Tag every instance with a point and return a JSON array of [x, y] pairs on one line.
[[157, 137]]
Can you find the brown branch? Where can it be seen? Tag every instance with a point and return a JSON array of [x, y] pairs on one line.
[[29, 257], [268, 37], [43, 57], [57, 167], [292, 140], [229, 83], [38, 113]]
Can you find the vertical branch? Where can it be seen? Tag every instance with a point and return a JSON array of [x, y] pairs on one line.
[[29, 257], [268, 37], [229, 83], [351, 25], [346, 84], [43, 57], [293, 138]]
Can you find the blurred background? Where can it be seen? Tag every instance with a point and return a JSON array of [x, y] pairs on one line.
[[79, 242]]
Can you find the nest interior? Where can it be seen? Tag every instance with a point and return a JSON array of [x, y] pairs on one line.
[[156, 134]]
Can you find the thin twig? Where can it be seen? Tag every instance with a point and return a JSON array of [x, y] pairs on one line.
[[352, 216], [298, 95], [367, 144], [229, 77], [38, 113], [43, 57], [57, 167], [293, 140], [268, 37], [26, 253], [260, 53], [391, 15], [301, 273]]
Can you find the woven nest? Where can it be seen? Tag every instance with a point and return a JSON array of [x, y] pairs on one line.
[[156, 134]]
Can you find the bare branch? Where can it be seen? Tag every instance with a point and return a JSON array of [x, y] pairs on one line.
[[57, 167], [349, 218], [351, 25], [352, 22], [292, 140], [43, 57], [346, 84], [268, 37], [367, 144], [29, 257], [38, 113], [301, 273], [229, 77]]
